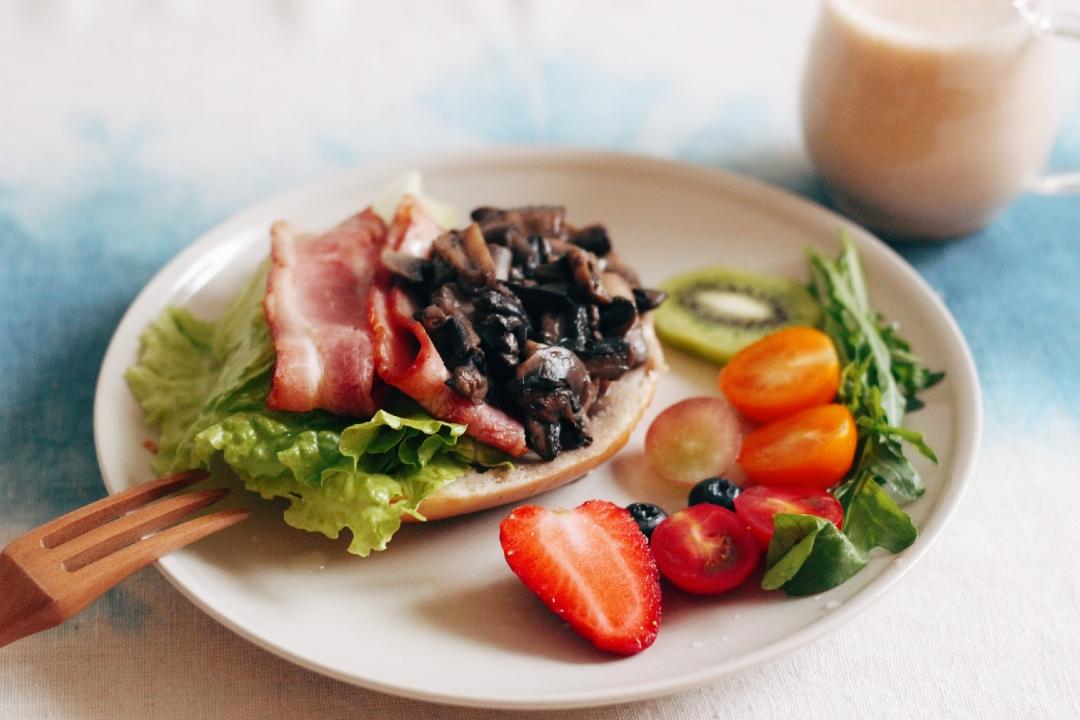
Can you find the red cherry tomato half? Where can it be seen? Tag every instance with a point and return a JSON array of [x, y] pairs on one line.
[[705, 549], [781, 374], [813, 448], [757, 505]]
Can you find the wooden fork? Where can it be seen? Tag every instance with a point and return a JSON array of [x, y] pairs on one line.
[[56, 570]]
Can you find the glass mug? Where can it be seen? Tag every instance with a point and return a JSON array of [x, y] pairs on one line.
[[926, 117]]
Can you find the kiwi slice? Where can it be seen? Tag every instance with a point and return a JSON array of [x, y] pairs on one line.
[[716, 311]]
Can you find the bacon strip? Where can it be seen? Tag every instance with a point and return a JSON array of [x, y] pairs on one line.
[[316, 306], [407, 359]]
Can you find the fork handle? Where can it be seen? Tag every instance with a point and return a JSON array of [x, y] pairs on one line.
[[25, 608]]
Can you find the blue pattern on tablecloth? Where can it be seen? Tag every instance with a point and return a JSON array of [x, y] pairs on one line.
[[565, 100]]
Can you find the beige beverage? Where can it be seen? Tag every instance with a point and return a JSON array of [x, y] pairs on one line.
[[927, 116]]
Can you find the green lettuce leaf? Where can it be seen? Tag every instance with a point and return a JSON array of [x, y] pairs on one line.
[[363, 477], [192, 373], [205, 386]]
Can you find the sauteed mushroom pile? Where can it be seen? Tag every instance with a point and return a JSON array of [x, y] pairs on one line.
[[531, 315]]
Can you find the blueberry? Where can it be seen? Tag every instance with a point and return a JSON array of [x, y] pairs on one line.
[[714, 490], [647, 516]]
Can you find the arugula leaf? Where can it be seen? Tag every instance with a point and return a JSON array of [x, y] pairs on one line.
[[808, 555], [791, 544], [881, 451], [854, 326], [873, 519], [879, 382], [912, 376]]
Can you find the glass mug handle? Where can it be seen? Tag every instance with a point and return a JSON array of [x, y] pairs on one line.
[[1063, 26]]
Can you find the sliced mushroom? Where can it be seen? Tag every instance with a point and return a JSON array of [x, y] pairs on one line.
[[593, 315], [406, 266], [593, 238], [551, 327], [503, 325], [469, 381], [557, 248], [618, 316], [527, 253], [647, 299], [607, 359], [476, 249], [501, 339], [552, 387], [501, 233], [552, 272], [457, 341], [486, 215], [467, 255], [452, 334], [585, 272], [541, 248], [500, 299], [503, 259], [543, 438], [546, 369], [577, 331], [539, 299], [574, 435]]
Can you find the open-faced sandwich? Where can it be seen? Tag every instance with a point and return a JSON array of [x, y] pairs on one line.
[[392, 369]]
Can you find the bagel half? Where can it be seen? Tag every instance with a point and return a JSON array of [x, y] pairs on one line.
[[612, 424]]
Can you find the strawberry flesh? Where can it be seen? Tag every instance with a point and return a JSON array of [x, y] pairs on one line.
[[592, 567]]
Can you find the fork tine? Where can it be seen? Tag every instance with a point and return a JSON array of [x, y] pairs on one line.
[[111, 569], [77, 522], [125, 530]]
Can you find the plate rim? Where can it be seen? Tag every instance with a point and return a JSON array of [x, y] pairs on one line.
[[967, 438]]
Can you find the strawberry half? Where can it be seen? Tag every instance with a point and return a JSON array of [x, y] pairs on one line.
[[592, 567]]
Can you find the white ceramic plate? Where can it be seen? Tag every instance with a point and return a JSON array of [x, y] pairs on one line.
[[439, 616]]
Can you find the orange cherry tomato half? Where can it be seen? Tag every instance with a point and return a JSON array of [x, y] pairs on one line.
[[813, 448], [782, 373]]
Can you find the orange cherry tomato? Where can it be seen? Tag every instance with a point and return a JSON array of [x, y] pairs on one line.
[[813, 448], [782, 373]]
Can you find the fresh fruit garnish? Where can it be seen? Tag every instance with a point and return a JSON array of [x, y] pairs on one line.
[[693, 439], [781, 374], [757, 506], [715, 490], [716, 311], [812, 448], [647, 516], [705, 549], [592, 567]]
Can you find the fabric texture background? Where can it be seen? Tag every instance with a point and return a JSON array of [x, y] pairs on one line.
[[129, 128]]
